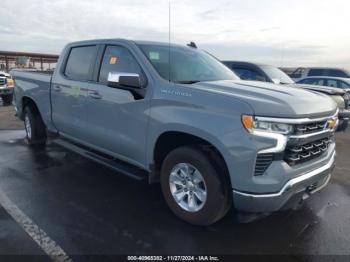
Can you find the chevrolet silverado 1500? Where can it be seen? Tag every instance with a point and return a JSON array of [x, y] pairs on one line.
[[175, 115]]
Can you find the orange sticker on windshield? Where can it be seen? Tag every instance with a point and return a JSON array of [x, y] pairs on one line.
[[113, 60]]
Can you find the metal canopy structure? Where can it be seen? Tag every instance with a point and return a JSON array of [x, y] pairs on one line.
[[7, 57]]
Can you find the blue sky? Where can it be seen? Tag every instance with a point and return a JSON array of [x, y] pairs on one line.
[[277, 32]]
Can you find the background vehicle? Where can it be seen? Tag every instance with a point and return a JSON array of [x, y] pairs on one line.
[[268, 73], [303, 72], [6, 87], [209, 138], [342, 83]]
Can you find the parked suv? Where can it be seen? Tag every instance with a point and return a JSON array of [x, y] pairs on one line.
[[303, 72], [6, 87], [268, 73], [212, 140]]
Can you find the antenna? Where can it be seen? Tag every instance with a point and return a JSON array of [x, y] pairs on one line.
[[169, 42], [192, 44]]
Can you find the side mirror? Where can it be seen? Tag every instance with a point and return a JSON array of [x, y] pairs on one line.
[[124, 79]]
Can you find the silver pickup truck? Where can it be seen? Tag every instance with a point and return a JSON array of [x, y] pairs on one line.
[[176, 115]]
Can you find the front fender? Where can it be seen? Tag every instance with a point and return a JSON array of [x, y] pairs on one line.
[[210, 117]]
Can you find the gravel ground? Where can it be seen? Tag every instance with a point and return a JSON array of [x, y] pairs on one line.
[[8, 121]]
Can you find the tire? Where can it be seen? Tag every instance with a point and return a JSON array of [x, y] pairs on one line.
[[198, 209], [34, 126], [7, 99]]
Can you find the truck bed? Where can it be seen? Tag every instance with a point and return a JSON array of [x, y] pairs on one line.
[[34, 85]]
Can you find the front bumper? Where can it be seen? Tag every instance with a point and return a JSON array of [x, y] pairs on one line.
[[292, 193], [4, 90], [343, 116]]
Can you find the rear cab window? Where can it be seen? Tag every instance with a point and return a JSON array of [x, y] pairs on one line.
[[80, 62]]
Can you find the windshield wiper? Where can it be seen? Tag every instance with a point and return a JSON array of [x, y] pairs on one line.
[[188, 82]]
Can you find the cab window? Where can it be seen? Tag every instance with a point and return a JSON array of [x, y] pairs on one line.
[[79, 63], [119, 59]]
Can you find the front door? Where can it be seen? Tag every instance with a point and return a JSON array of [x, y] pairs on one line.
[[117, 119]]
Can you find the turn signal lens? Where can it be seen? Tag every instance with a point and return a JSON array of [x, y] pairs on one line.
[[248, 122], [254, 124]]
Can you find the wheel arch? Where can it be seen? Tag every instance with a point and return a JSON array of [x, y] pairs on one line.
[[28, 101], [169, 140]]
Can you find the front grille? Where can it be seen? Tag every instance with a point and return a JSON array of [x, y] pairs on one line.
[[2, 80], [302, 129], [263, 161], [301, 153]]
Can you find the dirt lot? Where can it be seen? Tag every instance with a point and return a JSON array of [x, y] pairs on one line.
[[8, 121]]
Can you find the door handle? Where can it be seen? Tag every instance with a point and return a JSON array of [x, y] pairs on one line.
[[56, 88], [94, 94]]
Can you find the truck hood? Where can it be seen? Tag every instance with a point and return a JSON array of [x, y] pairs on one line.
[[273, 100], [323, 89]]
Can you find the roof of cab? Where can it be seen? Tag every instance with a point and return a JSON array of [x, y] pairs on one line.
[[111, 40]]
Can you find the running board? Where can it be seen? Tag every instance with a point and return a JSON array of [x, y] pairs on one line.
[[106, 160]]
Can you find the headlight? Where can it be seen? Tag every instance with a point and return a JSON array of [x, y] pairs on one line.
[[252, 125], [10, 82]]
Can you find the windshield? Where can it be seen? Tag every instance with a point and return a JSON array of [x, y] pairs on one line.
[[187, 65], [275, 73]]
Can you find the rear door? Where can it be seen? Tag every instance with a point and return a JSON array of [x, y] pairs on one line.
[[69, 91], [117, 120]]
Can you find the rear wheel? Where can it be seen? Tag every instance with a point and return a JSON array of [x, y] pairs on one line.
[[192, 188], [34, 126]]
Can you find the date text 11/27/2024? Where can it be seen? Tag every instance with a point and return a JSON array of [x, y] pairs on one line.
[[173, 258]]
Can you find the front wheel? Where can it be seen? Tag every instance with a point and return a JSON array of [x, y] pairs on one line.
[[34, 126], [192, 188]]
